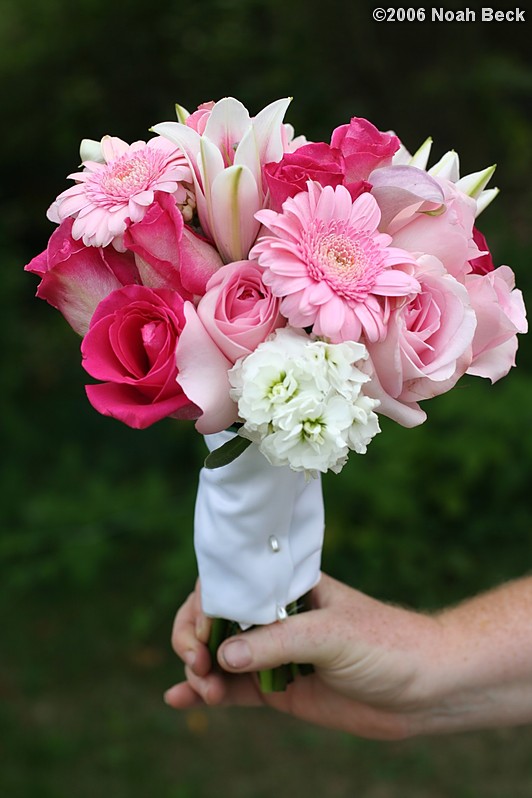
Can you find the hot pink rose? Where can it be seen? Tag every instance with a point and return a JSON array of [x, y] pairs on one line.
[[169, 254], [75, 278], [427, 347], [236, 314], [483, 263], [131, 345], [289, 176], [364, 148], [500, 314]]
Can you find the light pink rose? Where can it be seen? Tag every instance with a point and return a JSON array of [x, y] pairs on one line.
[[447, 236], [199, 118], [238, 310], [169, 254], [236, 314], [364, 148], [501, 314], [131, 346], [203, 375], [427, 347], [75, 278]]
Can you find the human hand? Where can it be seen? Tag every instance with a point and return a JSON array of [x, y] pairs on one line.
[[369, 661]]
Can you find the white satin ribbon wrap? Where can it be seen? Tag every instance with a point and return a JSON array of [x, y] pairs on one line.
[[258, 535]]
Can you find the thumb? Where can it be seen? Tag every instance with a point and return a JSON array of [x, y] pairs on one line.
[[299, 639]]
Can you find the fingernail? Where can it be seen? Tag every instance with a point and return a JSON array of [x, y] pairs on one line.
[[190, 658], [237, 654], [202, 629], [166, 696]]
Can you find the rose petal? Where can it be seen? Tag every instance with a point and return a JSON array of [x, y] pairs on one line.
[[203, 375]]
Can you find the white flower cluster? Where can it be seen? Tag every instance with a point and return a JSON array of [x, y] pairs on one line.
[[302, 403]]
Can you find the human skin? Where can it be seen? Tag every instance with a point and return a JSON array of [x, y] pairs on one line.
[[381, 671]]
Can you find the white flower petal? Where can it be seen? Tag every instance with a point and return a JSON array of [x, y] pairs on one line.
[[421, 156], [226, 125], [447, 168], [187, 139], [474, 183], [91, 150], [267, 127], [485, 198], [235, 199]]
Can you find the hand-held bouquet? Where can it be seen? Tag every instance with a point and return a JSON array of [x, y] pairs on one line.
[[281, 294]]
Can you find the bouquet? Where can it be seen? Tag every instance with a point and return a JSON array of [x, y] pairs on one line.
[[281, 294]]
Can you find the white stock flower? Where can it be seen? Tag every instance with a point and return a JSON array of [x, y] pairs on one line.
[[301, 401], [342, 374], [270, 378], [316, 442], [365, 424]]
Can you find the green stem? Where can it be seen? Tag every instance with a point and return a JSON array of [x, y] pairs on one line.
[[219, 632], [272, 680], [266, 681]]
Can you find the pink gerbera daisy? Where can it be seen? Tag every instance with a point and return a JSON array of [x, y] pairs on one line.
[[122, 187], [330, 265]]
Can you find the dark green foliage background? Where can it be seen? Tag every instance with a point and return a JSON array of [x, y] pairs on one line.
[[95, 514]]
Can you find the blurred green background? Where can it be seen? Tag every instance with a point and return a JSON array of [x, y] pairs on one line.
[[96, 550]]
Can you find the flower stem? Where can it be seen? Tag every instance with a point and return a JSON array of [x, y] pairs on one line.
[[272, 680], [221, 629]]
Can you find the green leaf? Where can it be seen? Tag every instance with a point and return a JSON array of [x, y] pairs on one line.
[[227, 453]]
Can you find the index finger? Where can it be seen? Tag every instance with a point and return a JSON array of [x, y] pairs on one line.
[[186, 642]]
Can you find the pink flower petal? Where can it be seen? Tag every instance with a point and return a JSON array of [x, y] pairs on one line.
[[122, 402], [392, 282], [75, 278], [203, 375], [399, 187], [325, 249], [199, 261], [106, 194]]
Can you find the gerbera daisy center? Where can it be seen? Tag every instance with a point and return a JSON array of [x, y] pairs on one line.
[[341, 258], [127, 176]]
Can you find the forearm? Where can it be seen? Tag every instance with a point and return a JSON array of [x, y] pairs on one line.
[[482, 673]]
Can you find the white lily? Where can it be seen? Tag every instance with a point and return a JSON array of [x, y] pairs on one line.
[[226, 163], [473, 184], [419, 159], [448, 168]]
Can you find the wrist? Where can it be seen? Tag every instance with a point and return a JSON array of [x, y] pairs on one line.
[[479, 674]]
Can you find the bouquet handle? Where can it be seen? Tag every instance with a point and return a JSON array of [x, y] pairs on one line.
[[258, 535]]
